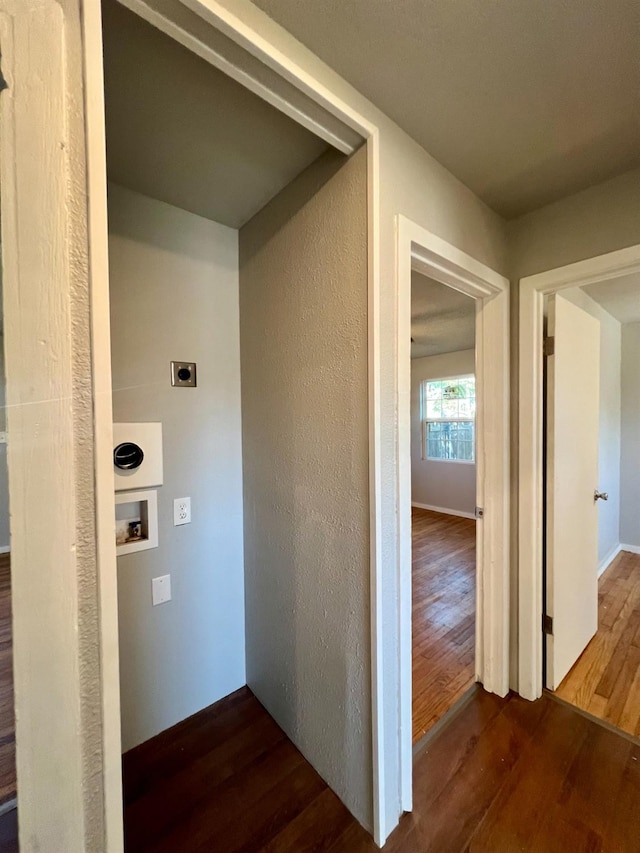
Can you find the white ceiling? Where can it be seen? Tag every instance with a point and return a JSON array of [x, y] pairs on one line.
[[620, 297], [180, 131], [442, 319], [525, 101]]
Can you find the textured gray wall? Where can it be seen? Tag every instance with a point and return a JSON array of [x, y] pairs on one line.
[[303, 310], [174, 295], [630, 465], [410, 182]]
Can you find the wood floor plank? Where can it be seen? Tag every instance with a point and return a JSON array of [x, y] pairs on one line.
[[443, 610], [536, 780], [316, 828], [184, 745], [215, 820], [629, 719], [605, 681], [224, 752]]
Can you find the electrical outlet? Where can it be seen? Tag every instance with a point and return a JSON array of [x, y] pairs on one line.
[[161, 589], [181, 511]]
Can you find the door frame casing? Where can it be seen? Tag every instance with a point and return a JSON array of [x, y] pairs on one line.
[[533, 290], [220, 20], [423, 251], [50, 447]]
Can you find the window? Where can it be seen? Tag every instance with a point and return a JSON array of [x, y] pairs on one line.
[[448, 408]]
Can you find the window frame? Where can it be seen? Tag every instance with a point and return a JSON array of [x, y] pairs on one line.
[[425, 421]]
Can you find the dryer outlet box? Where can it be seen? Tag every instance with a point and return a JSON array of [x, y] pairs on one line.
[[137, 456], [183, 374]]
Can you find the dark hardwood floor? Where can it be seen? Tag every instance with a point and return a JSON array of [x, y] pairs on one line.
[[605, 680], [444, 602], [7, 714], [503, 775]]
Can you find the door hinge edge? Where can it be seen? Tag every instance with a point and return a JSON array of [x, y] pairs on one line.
[[549, 346], [547, 624]]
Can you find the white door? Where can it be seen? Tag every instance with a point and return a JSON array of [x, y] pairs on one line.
[[573, 379]]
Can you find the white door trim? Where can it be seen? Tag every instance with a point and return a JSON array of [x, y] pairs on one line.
[[421, 250], [533, 289], [44, 278], [222, 40]]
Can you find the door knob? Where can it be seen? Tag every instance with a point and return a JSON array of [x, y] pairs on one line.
[[600, 496]]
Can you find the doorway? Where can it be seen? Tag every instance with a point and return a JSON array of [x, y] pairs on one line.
[[238, 303], [598, 325], [600, 280], [443, 498], [422, 252]]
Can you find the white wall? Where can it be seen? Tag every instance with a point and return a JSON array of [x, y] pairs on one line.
[[609, 430], [174, 296], [630, 465], [446, 485], [303, 312]]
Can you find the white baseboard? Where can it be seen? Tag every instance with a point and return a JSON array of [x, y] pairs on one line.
[[444, 510], [633, 549], [604, 564], [5, 549]]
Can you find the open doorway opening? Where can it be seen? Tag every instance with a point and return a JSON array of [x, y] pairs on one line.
[[420, 251], [238, 301], [443, 498], [593, 500]]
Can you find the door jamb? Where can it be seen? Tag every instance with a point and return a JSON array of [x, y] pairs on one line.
[[533, 289], [421, 250]]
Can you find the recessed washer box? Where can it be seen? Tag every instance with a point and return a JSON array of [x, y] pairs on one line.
[[136, 521], [137, 456]]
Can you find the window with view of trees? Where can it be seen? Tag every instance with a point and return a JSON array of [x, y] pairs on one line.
[[448, 409]]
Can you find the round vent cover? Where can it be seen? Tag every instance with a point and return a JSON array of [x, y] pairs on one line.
[[128, 456]]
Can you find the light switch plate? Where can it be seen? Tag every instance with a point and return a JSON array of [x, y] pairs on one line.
[[181, 511], [161, 589]]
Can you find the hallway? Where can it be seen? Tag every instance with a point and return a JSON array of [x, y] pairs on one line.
[[444, 567]]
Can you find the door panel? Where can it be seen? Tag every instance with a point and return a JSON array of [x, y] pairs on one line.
[[573, 378]]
